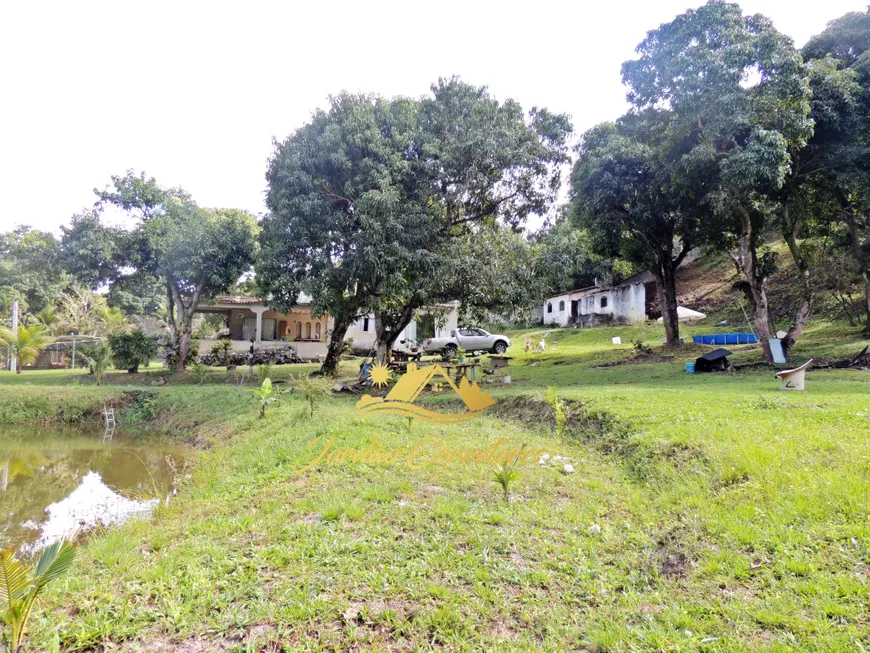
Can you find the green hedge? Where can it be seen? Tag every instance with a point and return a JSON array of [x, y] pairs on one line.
[[54, 405]]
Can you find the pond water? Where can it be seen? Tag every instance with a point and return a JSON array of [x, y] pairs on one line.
[[55, 483]]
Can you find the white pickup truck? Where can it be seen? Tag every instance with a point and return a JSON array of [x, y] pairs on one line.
[[471, 339]]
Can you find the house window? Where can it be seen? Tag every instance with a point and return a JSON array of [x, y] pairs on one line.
[[549, 307], [269, 329], [299, 330], [604, 302], [562, 306], [308, 330], [365, 324], [249, 328], [317, 331]]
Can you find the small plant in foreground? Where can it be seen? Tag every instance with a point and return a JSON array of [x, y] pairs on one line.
[[558, 407], [264, 371], [506, 474], [266, 395], [21, 586], [240, 378], [200, 372], [641, 347], [314, 388]]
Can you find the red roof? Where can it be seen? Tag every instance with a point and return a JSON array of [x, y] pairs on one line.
[[238, 299]]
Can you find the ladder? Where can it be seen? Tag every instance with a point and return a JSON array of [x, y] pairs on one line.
[[109, 416]]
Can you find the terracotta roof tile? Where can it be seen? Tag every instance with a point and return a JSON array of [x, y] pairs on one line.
[[238, 299]]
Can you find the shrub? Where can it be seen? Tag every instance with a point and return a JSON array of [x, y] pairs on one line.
[[200, 371], [171, 352], [132, 350], [98, 357], [221, 353], [641, 347], [558, 407], [314, 388], [264, 371]]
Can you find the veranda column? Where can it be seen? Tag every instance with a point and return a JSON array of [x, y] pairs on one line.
[[259, 310]]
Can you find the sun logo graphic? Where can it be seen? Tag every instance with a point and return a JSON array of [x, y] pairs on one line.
[[399, 401]]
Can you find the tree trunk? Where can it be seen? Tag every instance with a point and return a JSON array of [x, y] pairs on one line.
[[183, 346], [746, 263], [803, 314], [184, 331], [666, 283], [336, 345], [386, 333]]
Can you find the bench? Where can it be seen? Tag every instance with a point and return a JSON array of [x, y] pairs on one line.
[[793, 379]]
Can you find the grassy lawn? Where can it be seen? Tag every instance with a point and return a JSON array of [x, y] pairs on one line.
[[704, 513]]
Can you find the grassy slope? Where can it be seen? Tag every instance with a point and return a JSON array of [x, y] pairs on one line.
[[733, 517]]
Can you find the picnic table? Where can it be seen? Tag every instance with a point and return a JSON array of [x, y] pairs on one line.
[[461, 369], [457, 369]]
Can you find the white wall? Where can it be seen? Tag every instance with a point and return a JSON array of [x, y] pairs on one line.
[[557, 316], [363, 338], [627, 303]]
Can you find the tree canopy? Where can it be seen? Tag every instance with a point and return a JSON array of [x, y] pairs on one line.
[[739, 99], [367, 200]]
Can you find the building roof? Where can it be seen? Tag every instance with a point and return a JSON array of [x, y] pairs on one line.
[[238, 299], [243, 300]]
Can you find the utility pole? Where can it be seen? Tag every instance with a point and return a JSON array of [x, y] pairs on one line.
[[13, 360]]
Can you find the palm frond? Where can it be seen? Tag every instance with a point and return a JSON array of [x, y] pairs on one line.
[[13, 579], [54, 561]]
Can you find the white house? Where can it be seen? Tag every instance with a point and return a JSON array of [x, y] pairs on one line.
[[307, 335], [627, 302]]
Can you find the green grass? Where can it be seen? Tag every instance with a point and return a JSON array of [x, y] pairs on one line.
[[732, 517]]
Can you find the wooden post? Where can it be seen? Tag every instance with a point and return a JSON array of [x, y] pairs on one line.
[[13, 359]]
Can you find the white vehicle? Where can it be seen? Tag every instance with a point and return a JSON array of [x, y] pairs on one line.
[[471, 339]]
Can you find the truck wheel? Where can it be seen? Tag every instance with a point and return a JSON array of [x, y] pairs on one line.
[[450, 351], [500, 347]]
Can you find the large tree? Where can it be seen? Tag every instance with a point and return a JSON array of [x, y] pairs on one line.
[[739, 95], [195, 252], [91, 251], [335, 227], [624, 194], [838, 156], [30, 269], [478, 163], [368, 198]]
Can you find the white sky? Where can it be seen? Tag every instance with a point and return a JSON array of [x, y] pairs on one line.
[[194, 92]]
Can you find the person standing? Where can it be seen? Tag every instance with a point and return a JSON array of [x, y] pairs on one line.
[[251, 358]]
